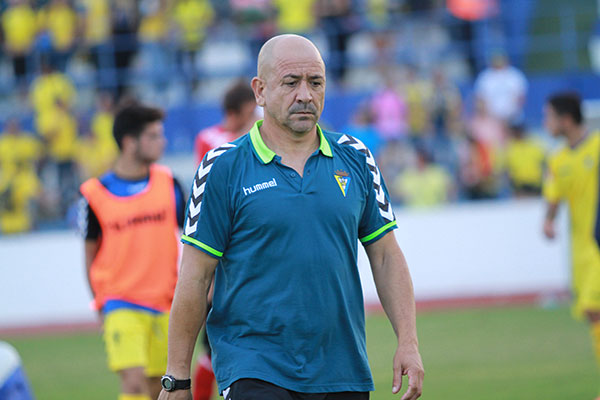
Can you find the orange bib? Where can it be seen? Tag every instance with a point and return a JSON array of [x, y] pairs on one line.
[[137, 259]]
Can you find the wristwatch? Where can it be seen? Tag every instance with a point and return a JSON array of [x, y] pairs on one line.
[[171, 384]]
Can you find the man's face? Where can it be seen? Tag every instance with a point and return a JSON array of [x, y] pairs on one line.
[[552, 121], [294, 89], [151, 143]]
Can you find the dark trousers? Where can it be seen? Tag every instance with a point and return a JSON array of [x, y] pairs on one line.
[[255, 389]]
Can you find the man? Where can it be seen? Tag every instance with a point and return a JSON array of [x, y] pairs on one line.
[[239, 107], [278, 214], [19, 28], [502, 88], [20, 185], [525, 159], [130, 217], [573, 177]]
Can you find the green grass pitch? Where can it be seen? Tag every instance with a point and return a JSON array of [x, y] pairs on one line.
[[480, 354]]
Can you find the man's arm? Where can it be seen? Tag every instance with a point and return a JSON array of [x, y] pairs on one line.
[[553, 194], [90, 230], [395, 290], [188, 313], [551, 211], [91, 248]]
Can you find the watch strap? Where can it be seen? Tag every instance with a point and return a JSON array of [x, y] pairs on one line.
[[181, 384]]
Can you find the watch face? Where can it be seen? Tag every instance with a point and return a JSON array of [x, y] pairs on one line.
[[168, 383]]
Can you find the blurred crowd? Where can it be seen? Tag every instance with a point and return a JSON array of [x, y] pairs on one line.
[[432, 150], [67, 65]]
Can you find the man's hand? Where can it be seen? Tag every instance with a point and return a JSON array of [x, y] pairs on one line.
[[175, 395], [549, 230], [408, 362]]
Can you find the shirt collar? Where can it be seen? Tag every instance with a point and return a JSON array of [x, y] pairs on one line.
[[266, 155]]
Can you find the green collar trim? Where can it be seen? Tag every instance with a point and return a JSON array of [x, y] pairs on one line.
[[324, 146], [266, 155]]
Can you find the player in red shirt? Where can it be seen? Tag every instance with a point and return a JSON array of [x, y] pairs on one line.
[[239, 107]]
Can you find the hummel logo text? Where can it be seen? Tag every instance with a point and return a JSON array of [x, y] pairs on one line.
[[259, 186]]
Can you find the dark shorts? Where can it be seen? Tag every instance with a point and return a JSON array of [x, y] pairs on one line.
[[255, 389]]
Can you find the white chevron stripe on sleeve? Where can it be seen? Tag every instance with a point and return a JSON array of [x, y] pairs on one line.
[[199, 185], [198, 190], [385, 207], [194, 209], [190, 229]]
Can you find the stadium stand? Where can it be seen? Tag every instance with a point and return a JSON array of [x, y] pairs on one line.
[[401, 73]]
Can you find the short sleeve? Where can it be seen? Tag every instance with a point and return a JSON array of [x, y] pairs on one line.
[[551, 188], [208, 216], [87, 222], [378, 217]]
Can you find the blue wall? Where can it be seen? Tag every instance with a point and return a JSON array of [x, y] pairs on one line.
[[183, 123]]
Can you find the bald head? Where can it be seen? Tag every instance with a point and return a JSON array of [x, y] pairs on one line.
[[282, 47], [290, 85]]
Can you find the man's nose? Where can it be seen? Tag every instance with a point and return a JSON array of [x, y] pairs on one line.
[[304, 94]]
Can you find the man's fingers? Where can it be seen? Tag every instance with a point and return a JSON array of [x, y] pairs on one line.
[[397, 381], [415, 385], [411, 394]]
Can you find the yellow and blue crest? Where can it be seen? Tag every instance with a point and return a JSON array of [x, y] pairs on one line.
[[343, 179]]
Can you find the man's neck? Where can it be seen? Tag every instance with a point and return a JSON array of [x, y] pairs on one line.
[[284, 142], [575, 135], [294, 149], [130, 169]]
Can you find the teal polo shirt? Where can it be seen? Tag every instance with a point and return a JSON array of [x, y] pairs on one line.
[[288, 306]]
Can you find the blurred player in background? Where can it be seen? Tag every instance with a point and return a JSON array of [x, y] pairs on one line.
[[525, 160], [239, 108], [130, 219], [573, 177]]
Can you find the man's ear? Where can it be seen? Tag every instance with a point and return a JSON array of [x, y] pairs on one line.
[[127, 142], [258, 86]]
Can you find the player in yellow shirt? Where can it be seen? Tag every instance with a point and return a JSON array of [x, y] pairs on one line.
[[19, 27], [102, 126], [18, 146], [98, 150], [96, 22], [50, 86], [155, 55], [60, 21], [423, 185], [96, 26], [573, 178], [191, 20], [295, 16], [525, 159], [59, 130], [20, 186]]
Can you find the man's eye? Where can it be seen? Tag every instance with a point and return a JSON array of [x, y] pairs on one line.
[[291, 83], [317, 83]]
